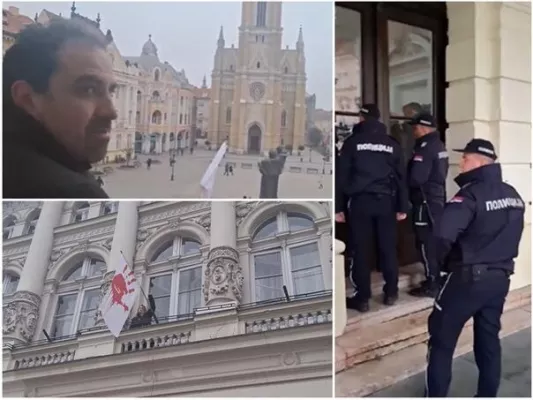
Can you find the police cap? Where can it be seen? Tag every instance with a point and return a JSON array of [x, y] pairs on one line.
[[369, 110], [479, 146], [424, 119]]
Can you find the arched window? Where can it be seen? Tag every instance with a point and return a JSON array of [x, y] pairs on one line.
[[286, 70], [228, 115], [80, 212], [231, 68], [297, 265], [31, 223], [156, 75], [77, 311], [258, 65], [11, 282], [177, 291], [138, 117], [156, 117], [139, 98], [284, 118], [156, 96], [9, 224]]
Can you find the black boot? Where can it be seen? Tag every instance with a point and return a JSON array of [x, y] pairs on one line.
[[390, 299], [428, 288], [356, 303]]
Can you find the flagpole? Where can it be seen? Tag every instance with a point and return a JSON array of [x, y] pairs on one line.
[[142, 291]]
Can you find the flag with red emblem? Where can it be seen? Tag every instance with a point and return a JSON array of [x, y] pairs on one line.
[[119, 298]]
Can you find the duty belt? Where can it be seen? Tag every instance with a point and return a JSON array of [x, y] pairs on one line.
[[477, 272]]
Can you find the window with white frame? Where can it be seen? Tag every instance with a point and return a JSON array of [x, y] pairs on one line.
[[9, 224], [77, 304], [109, 207], [81, 212], [296, 264], [176, 280], [10, 282]]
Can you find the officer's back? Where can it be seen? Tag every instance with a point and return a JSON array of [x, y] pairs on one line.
[[369, 160]]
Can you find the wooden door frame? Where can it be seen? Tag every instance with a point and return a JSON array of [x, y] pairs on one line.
[[374, 49]]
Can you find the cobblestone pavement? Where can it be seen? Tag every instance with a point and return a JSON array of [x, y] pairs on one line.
[[189, 169]]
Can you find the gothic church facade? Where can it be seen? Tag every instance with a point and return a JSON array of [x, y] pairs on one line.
[[258, 89]]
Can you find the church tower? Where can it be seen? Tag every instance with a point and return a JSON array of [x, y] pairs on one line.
[[258, 89]]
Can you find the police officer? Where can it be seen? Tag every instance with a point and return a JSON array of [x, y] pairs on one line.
[[372, 178], [427, 172], [477, 241]]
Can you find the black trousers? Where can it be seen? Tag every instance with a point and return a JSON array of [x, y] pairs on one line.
[[373, 214], [425, 217], [458, 301]]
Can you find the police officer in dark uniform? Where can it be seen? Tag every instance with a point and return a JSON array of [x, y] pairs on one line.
[[477, 240], [426, 178], [371, 175]]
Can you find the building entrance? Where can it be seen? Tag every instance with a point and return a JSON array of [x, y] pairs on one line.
[[393, 55]]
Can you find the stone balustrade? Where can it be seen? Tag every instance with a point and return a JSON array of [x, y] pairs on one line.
[[41, 355], [288, 321], [153, 341]]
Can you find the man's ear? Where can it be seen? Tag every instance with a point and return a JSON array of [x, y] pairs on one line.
[[25, 98]]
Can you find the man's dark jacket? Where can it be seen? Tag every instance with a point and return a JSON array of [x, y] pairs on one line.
[[37, 166], [145, 319]]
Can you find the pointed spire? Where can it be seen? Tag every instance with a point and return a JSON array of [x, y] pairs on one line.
[[300, 42], [221, 41], [73, 9], [98, 20], [204, 83], [36, 17]]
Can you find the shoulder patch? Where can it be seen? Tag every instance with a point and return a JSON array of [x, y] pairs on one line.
[[424, 144], [456, 199], [418, 158]]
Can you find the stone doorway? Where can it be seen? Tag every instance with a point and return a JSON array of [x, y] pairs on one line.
[[254, 139]]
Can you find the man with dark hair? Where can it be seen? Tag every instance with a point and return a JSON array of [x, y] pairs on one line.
[[58, 82]]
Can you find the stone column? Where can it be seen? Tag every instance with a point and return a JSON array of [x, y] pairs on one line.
[[488, 67], [22, 313], [223, 277], [124, 240], [341, 314]]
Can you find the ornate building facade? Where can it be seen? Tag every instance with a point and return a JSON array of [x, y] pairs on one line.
[[218, 273], [258, 89]]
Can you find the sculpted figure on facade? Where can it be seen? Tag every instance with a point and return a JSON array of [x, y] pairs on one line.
[[20, 316], [223, 280]]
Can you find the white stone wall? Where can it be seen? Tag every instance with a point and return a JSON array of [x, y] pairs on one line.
[[488, 67]]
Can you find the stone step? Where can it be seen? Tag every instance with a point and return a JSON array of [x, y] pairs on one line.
[[394, 328], [379, 373]]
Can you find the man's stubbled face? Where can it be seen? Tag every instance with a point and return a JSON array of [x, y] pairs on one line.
[[77, 109]]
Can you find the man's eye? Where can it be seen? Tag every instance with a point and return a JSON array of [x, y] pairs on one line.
[[88, 90]]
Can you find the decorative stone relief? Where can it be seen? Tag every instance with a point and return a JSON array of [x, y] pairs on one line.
[[179, 209], [243, 209], [142, 235], [21, 315], [291, 359], [223, 279], [85, 234], [107, 243], [257, 91], [16, 250], [11, 207], [204, 221]]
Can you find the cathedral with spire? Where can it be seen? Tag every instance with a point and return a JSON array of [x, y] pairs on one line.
[[258, 98]]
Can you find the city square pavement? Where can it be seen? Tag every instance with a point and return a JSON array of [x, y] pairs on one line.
[[140, 182], [516, 373]]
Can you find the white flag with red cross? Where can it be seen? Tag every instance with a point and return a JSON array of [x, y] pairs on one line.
[[119, 298]]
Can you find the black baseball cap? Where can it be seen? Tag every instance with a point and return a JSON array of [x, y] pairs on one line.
[[424, 119], [370, 110], [479, 146]]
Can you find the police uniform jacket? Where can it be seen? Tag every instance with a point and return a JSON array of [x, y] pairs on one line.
[[427, 170], [482, 224], [37, 166], [371, 162]]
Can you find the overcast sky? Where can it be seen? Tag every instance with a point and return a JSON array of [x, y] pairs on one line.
[[186, 33]]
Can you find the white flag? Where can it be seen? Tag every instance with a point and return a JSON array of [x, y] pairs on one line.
[[120, 298], [208, 180]]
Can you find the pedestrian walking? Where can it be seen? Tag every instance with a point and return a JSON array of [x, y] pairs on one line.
[[148, 163], [477, 241], [100, 181]]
